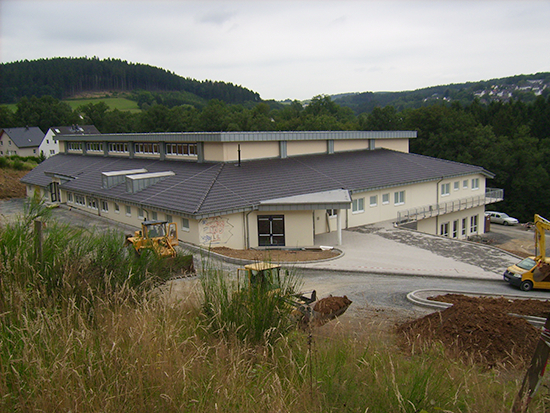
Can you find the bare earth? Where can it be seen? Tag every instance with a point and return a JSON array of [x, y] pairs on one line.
[[276, 255]]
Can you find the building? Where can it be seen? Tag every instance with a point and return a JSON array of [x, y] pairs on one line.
[[20, 141], [264, 189], [50, 143]]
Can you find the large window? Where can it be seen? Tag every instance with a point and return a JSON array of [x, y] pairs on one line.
[[473, 224], [94, 147], [271, 230], [445, 229], [118, 147], [74, 146]]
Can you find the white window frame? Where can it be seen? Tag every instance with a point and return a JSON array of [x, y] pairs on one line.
[[104, 206], [373, 200], [141, 213], [464, 226], [117, 208], [456, 185], [128, 211], [358, 205], [169, 218], [465, 184], [446, 189], [385, 199], [444, 229], [475, 183], [473, 224], [399, 197], [185, 224]]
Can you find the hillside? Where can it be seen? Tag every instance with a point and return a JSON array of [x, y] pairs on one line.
[[63, 78], [524, 88]]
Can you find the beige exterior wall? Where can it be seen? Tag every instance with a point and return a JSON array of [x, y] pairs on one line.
[[249, 150], [400, 145], [459, 225], [298, 228], [295, 148], [222, 231], [351, 145]]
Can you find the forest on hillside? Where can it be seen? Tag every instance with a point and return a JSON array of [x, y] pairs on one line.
[[66, 77], [510, 139]]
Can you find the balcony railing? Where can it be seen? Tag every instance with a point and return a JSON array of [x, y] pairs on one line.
[[491, 196]]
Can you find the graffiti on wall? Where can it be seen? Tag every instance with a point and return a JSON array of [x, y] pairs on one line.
[[215, 231]]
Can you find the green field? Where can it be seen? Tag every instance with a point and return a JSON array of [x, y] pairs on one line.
[[119, 103]]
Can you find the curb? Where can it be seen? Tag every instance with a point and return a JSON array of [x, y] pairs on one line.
[[414, 297]]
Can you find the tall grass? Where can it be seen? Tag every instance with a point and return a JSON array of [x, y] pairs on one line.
[[80, 331]]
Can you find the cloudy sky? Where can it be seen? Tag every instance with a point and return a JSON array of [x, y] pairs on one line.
[[292, 49]]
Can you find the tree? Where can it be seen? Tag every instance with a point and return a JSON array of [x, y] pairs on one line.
[[44, 112]]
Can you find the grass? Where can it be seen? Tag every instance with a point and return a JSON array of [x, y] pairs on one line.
[[83, 328]]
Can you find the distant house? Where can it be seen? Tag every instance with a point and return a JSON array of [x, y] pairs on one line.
[[50, 143], [264, 189], [20, 141]]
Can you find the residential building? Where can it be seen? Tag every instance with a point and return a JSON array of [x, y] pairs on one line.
[[20, 141], [264, 189]]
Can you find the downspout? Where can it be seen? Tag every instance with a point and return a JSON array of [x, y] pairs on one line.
[[437, 203], [247, 230]]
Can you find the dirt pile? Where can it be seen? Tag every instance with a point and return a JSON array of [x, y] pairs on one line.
[[479, 329], [332, 305], [10, 187]]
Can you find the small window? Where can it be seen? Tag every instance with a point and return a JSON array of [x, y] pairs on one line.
[[464, 226], [465, 184], [128, 210], [140, 213], [185, 224], [358, 205], [475, 183], [117, 208], [154, 215], [455, 229], [169, 218], [456, 186], [373, 200], [445, 189], [385, 199], [399, 198], [445, 229], [69, 197], [332, 212], [104, 206]]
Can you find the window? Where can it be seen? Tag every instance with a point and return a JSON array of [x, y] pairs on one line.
[[455, 229], [181, 149], [94, 147], [117, 208], [79, 200], [118, 147], [445, 229], [92, 202], [169, 218], [140, 213], [358, 205], [154, 215], [385, 199], [465, 184], [128, 211], [271, 230], [373, 200], [456, 185], [399, 198], [445, 189], [52, 151], [104, 206], [74, 146], [332, 212], [464, 226], [147, 147], [473, 224], [69, 197], [475, 183], [185, 224], [34, 151]]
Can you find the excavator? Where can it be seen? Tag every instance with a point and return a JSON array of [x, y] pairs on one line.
[[308, 310], [533, 272]]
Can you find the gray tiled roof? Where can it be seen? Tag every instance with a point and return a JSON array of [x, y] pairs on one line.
[[206, 189], [25, 137]]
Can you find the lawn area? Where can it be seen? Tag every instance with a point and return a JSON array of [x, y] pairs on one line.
[[119, 103]]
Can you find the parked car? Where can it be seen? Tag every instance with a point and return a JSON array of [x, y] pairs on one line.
[[501, 218]]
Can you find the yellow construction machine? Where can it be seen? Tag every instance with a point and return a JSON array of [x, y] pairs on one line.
[[307, 309], [533, 272], [158, 236]]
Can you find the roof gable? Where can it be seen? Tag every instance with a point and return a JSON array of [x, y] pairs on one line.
[[25, 137]]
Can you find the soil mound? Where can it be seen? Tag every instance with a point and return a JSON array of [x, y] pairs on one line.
[[478, 329], [332, 305]]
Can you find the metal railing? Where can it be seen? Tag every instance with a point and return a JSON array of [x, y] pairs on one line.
[[491, 196]]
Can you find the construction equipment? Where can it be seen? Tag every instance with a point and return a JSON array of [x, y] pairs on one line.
[[158, 236], [533, 272], [307, 309]]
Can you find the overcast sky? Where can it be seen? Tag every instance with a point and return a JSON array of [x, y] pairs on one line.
[[292, 49]]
